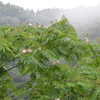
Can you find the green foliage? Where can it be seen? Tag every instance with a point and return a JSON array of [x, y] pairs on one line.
[[58, 63]]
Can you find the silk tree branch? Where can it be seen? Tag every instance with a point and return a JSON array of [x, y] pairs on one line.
[[14, 90], [12, 68]]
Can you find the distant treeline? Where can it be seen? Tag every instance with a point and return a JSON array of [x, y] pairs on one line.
[[84, 19]]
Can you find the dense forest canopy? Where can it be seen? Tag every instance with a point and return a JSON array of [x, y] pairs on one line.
[[84, 19]]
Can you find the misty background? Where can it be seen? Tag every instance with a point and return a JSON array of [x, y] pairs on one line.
[[86, 20]]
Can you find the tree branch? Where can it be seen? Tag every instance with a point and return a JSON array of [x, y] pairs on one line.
[[11, 68], [15, 90], [63, 96]]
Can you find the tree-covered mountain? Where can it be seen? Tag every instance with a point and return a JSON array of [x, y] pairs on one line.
[[84, 19]]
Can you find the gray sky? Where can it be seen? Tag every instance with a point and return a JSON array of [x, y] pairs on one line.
[[42, 4]]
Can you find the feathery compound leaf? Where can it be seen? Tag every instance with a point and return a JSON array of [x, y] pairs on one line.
[[94, 95]]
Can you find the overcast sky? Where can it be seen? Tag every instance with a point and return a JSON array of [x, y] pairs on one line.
[[42, 4]]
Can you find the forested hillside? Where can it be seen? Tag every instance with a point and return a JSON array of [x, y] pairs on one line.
[[84, 19]]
